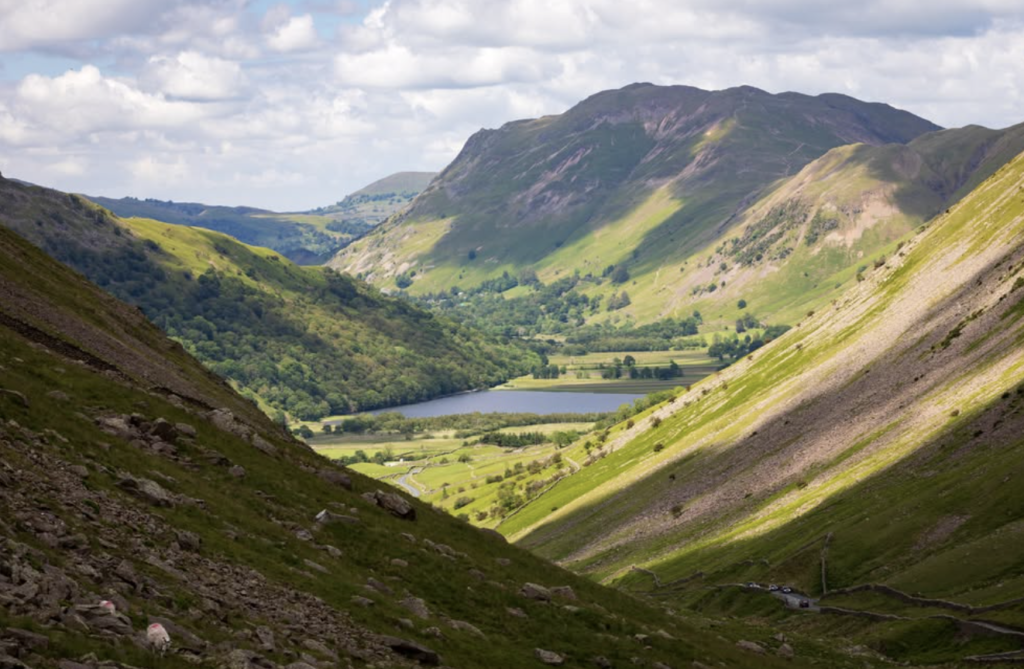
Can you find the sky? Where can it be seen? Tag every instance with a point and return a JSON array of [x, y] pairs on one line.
[[293, 105]]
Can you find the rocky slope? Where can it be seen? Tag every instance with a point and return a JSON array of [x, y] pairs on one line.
[[136, 488], [879, 441]]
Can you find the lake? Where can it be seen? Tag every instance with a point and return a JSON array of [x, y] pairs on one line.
[[516, 401]]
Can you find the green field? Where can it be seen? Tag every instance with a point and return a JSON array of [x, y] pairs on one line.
[[583, 372], [445, 468]]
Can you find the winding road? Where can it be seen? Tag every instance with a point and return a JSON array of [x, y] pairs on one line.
[[402, 481]]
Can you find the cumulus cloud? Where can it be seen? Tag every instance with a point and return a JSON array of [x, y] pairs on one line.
[[192, 76], [287, 33], [297, 104]]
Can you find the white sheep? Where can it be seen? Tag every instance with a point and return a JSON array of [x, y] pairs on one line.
[[109, 606], [158, 638]]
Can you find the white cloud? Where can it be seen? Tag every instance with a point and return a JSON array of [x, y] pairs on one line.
[[47, 22], [216, 99], [295, 33], [192, 76], [81, 102]]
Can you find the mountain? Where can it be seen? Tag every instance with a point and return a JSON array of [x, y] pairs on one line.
[[869, 457], [137, 489], [306, 238], [305, 341], [409, 184], [644, 175]]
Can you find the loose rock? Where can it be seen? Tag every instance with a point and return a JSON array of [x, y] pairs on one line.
[[548, 657], [412, 650]]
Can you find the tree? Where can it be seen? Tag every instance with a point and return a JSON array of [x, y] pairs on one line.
[[628, 360], [620, 274], [742, 304]]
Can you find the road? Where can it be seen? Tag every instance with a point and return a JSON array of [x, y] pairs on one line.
[[411, 489]]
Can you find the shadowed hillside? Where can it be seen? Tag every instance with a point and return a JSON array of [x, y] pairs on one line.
[[876, 442]]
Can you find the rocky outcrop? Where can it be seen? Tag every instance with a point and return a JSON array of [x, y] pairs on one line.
[[394, 504]]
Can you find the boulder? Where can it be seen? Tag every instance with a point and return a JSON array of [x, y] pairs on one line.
[[412, 650], [225, 420], [263, 445], [163, 430], [751, 646], [146, 490], [463, 626], [189, 541], [335, 477], [266, 638], [417, 606], [548, 657], [100, 618], [237, 471], [58, 395], [785, 650], [536, 592], [15, 397], [186, 430], [394, 504], [564, 592]]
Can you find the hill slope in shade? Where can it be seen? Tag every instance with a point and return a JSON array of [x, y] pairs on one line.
[[302, 340], [517, 195], [131, 474], [879, 441]]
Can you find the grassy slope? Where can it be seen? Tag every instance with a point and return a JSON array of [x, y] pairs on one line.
[[668, 220], [59, 333], [305, 238], [892, 414], [645, 174], [370, 348]]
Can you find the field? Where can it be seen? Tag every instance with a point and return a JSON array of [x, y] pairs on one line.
[[583, 372], [447, 470]]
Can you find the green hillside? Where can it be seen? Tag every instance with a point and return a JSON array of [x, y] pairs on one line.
[[643, 174], [132, 475], [306, 238], [765, 208], [305, 341], [875, 445]]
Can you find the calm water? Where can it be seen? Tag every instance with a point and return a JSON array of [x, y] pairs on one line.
[[516, 401]]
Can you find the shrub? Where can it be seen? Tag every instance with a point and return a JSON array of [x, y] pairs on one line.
[[462, 501], [658, 447]]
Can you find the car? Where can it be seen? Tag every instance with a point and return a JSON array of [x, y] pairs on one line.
[[804, 604], [773, 587], [786, 589], [753, 585]]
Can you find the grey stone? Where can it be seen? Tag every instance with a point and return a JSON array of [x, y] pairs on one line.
[[548, 657], [335, 477], [750, 646], [417, 606], [394, 504], [263, 445], [146, 490], [534, 591], [412, 650]]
